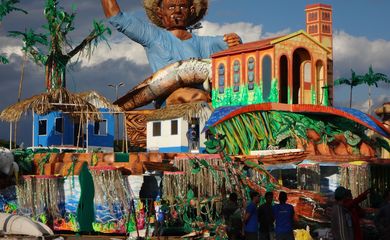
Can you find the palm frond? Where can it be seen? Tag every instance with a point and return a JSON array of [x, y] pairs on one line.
[[372, 78], [7, 6], [3, 60]]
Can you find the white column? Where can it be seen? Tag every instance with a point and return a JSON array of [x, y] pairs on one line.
[[10, 135]]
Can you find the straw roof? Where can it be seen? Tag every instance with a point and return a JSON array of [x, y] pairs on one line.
[[99, 101], [383, 110], [55, 100], [201, 110]]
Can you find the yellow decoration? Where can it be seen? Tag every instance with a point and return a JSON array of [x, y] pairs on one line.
[[302, 234]]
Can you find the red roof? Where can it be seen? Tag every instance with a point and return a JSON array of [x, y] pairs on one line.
[[247, 47], [318, 5]]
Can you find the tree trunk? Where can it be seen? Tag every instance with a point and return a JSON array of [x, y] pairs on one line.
[[20, 92], [369, 100], [350, 97]]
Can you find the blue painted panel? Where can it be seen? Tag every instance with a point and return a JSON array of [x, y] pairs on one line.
[[67, 138], [365, 118], [218, 114], [103, 140], [51, 137], [178, 149]]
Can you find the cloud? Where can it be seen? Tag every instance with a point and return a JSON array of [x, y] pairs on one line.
[[358, 53], [247, 31], [126, 49]]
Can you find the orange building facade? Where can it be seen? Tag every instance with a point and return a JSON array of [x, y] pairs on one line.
[[295, 68]]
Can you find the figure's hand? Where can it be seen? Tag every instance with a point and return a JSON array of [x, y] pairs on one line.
[[232, 39], [110, 8]]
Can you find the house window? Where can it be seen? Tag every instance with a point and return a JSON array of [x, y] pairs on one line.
[[266, 78], [326, 16], [59, 125], [156, 129], [42, 127], [307, 71], [313, 16], [174, 127], [325, 28], [100, 128], [251, 73], [236, 76], [313, 29], [221, 78]]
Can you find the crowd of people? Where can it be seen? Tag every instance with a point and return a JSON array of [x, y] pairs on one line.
[[265, 222], [276, 221], [346, 215]]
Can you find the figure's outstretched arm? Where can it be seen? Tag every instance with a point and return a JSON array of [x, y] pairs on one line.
[[110, 8], [232, 39]]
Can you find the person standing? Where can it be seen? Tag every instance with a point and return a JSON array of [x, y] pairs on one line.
[[251, 217], [284, 218], [266, 218], [382, 219], [352, 205], [229, 208], [341, 223]]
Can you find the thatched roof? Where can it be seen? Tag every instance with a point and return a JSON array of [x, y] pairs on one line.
[[99, 101], [55, 100], [383, 110], [201, 110]]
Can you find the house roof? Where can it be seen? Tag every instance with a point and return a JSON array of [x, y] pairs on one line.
[[383, 110], [247, 47], [318, 5], [202, 110], [56, 100], [294, 34], [266, 43], [99, 101]]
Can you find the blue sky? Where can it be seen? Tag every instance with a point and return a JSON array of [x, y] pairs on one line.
[[361, 38]]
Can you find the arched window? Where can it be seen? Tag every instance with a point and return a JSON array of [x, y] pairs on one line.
[[236, 76], [266, 77], [251, 73], [307, 72], [221, 78]]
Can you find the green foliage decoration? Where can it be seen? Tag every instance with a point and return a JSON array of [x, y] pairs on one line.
[[56, 49], [7, 6], [277, 129], [3, 60], [274, 93]]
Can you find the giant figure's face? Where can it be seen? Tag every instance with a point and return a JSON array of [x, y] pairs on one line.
[[175, 14]]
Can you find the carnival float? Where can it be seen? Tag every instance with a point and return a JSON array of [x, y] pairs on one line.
[[261, 118]]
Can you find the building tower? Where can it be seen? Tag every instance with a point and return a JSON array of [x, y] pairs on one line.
[[319, 26], [319, 23]]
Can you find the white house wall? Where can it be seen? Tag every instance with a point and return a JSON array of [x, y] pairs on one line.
[[171, 143]]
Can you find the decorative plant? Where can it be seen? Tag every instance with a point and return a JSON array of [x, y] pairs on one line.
[[7, 6], [372, 78], [354, 81]]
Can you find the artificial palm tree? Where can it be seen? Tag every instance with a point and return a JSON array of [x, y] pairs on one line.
[[59, 50], [354, 81], [372, 78], [7, 6], [54, 50]]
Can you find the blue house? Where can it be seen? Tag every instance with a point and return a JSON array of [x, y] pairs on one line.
[[59, 129]]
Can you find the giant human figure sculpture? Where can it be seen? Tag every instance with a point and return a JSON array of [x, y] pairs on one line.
[[168, 40]]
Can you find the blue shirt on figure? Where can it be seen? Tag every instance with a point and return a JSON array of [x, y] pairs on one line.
[[162, 47], [284, 217], [252, 224]]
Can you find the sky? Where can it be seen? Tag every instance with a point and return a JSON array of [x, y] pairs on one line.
[[360, 33]]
